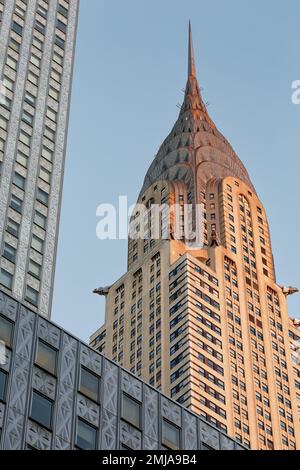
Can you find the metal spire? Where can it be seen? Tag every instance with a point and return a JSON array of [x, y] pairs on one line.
[[192, 66]]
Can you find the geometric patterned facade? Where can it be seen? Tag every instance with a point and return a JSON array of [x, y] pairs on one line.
[[37, 39], [112, 430]]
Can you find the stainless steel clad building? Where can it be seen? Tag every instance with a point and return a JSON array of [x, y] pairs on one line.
[[58, 393]]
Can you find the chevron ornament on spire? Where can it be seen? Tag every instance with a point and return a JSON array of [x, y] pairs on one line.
[[194, 136]]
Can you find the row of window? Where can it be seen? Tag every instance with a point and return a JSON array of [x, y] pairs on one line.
[[42, 407], [6, 280], [236, 357], [19, 180]]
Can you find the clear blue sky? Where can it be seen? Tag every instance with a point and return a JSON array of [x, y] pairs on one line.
[[131, 63]]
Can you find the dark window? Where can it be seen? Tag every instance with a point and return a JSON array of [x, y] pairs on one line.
[[46, 357], [42, 196], [206, 447], [12, 227], [34, 269], [86, 435], [16, 203], [170, 435], [28, 118], [40, 219], [131, 410], [3, 380], [41, 409], [6, 330], [59, 42], [124, 447], [29, 98], [32, 295], [39, 27], [63, 11], [6, 279], [37, 244], [89, 384], [19, 180], [9, 252], [17, 28], [14, 45], [42, 11], [61, 26]]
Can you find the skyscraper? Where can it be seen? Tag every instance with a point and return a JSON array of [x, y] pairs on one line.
[[208, 325], [37, 40]]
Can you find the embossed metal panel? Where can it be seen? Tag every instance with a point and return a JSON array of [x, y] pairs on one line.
[[190, 441], [130, 436], [171, 411], [110, 387], [19, 431]]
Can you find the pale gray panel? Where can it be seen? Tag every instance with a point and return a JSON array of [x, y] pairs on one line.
[[64, 418], [22, 359], [171, 411], [5, 31], [38, 437], [110, 387], [131, 385], [90, 359], [18, 391], [151, 413], [190, 441], [130, 436]]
